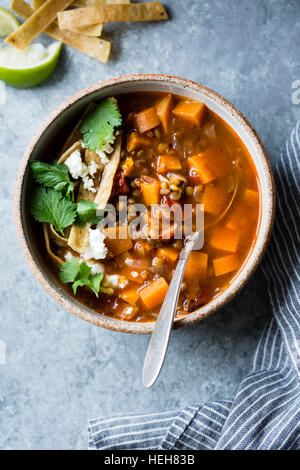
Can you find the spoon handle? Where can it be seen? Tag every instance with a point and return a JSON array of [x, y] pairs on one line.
[[159, 342]]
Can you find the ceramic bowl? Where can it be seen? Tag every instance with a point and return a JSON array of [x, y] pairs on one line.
[[52, 132]]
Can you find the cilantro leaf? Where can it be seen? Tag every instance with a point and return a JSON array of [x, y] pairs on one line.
[[80, 274], [51, 207], [54, 176], [69, 270], [86, 212], [98, 128]]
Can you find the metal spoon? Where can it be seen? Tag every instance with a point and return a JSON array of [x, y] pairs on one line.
[[159, 342]]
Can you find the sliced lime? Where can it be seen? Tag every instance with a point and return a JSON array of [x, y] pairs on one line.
[[30, 67], [8, 23]]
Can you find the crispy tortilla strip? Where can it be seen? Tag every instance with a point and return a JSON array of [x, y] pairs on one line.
[[92, 30], [57, 261], [107, 180], [56, 238], [67, 153], [94, 47], [92, 3], [37, 23], [78, 238], [153, 11]]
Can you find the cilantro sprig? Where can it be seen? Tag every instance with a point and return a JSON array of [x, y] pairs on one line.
[[79, 274], [98, 128], [50, 206], [54, 176], [87, 212]]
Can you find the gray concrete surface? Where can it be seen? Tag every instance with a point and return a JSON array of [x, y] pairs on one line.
[[59, 370]]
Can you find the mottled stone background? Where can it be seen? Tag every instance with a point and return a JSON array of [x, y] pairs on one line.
[[59, 370]]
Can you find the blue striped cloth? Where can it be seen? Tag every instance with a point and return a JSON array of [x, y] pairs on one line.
[[265, 413]]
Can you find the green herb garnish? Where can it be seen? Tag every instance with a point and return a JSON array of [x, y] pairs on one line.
[[54, 176], [98, 128], [86, 212], [80, 274], [50, 206]]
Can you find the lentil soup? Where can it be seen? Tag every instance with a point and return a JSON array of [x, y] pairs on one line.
[[158, 150]]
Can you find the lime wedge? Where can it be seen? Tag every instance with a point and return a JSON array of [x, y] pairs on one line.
[[30, 67], [8, 23]]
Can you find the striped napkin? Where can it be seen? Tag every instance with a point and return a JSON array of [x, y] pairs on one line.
[[265, 413]]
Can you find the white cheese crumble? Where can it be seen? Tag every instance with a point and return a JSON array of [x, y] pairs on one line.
[[97, 268], [88, 184], [76, 166], [92, 168], [107, 149], [95, 248], [103, 157], [115, 281], [78, 169]]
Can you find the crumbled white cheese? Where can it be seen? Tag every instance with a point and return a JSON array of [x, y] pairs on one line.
[[79, 169], [92, 168], [88, 184], [107, 149], [95, 248], [97, 268], [68, 256], [114, 281], [76, 166], [103, 157]]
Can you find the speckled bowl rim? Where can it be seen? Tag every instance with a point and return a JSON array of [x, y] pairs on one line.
[[130, 327]]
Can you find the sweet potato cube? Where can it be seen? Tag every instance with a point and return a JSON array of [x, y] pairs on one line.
[[226, 264], [237, 219], [164, 110], [225, 239], [147, 120], [137, 141], [167, 163], [208, 165], [197, 266], [118, 240], [154, 294], [191, 111], [170, 255], [214, 200], [150, 188], [130, 294]]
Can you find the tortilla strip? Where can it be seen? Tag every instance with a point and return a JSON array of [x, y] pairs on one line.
[[92, 30], [107, 180], [37, 23], [67, 153], [92, 3], [56, 238], [99, 49], [153, 11], [57, 261]]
